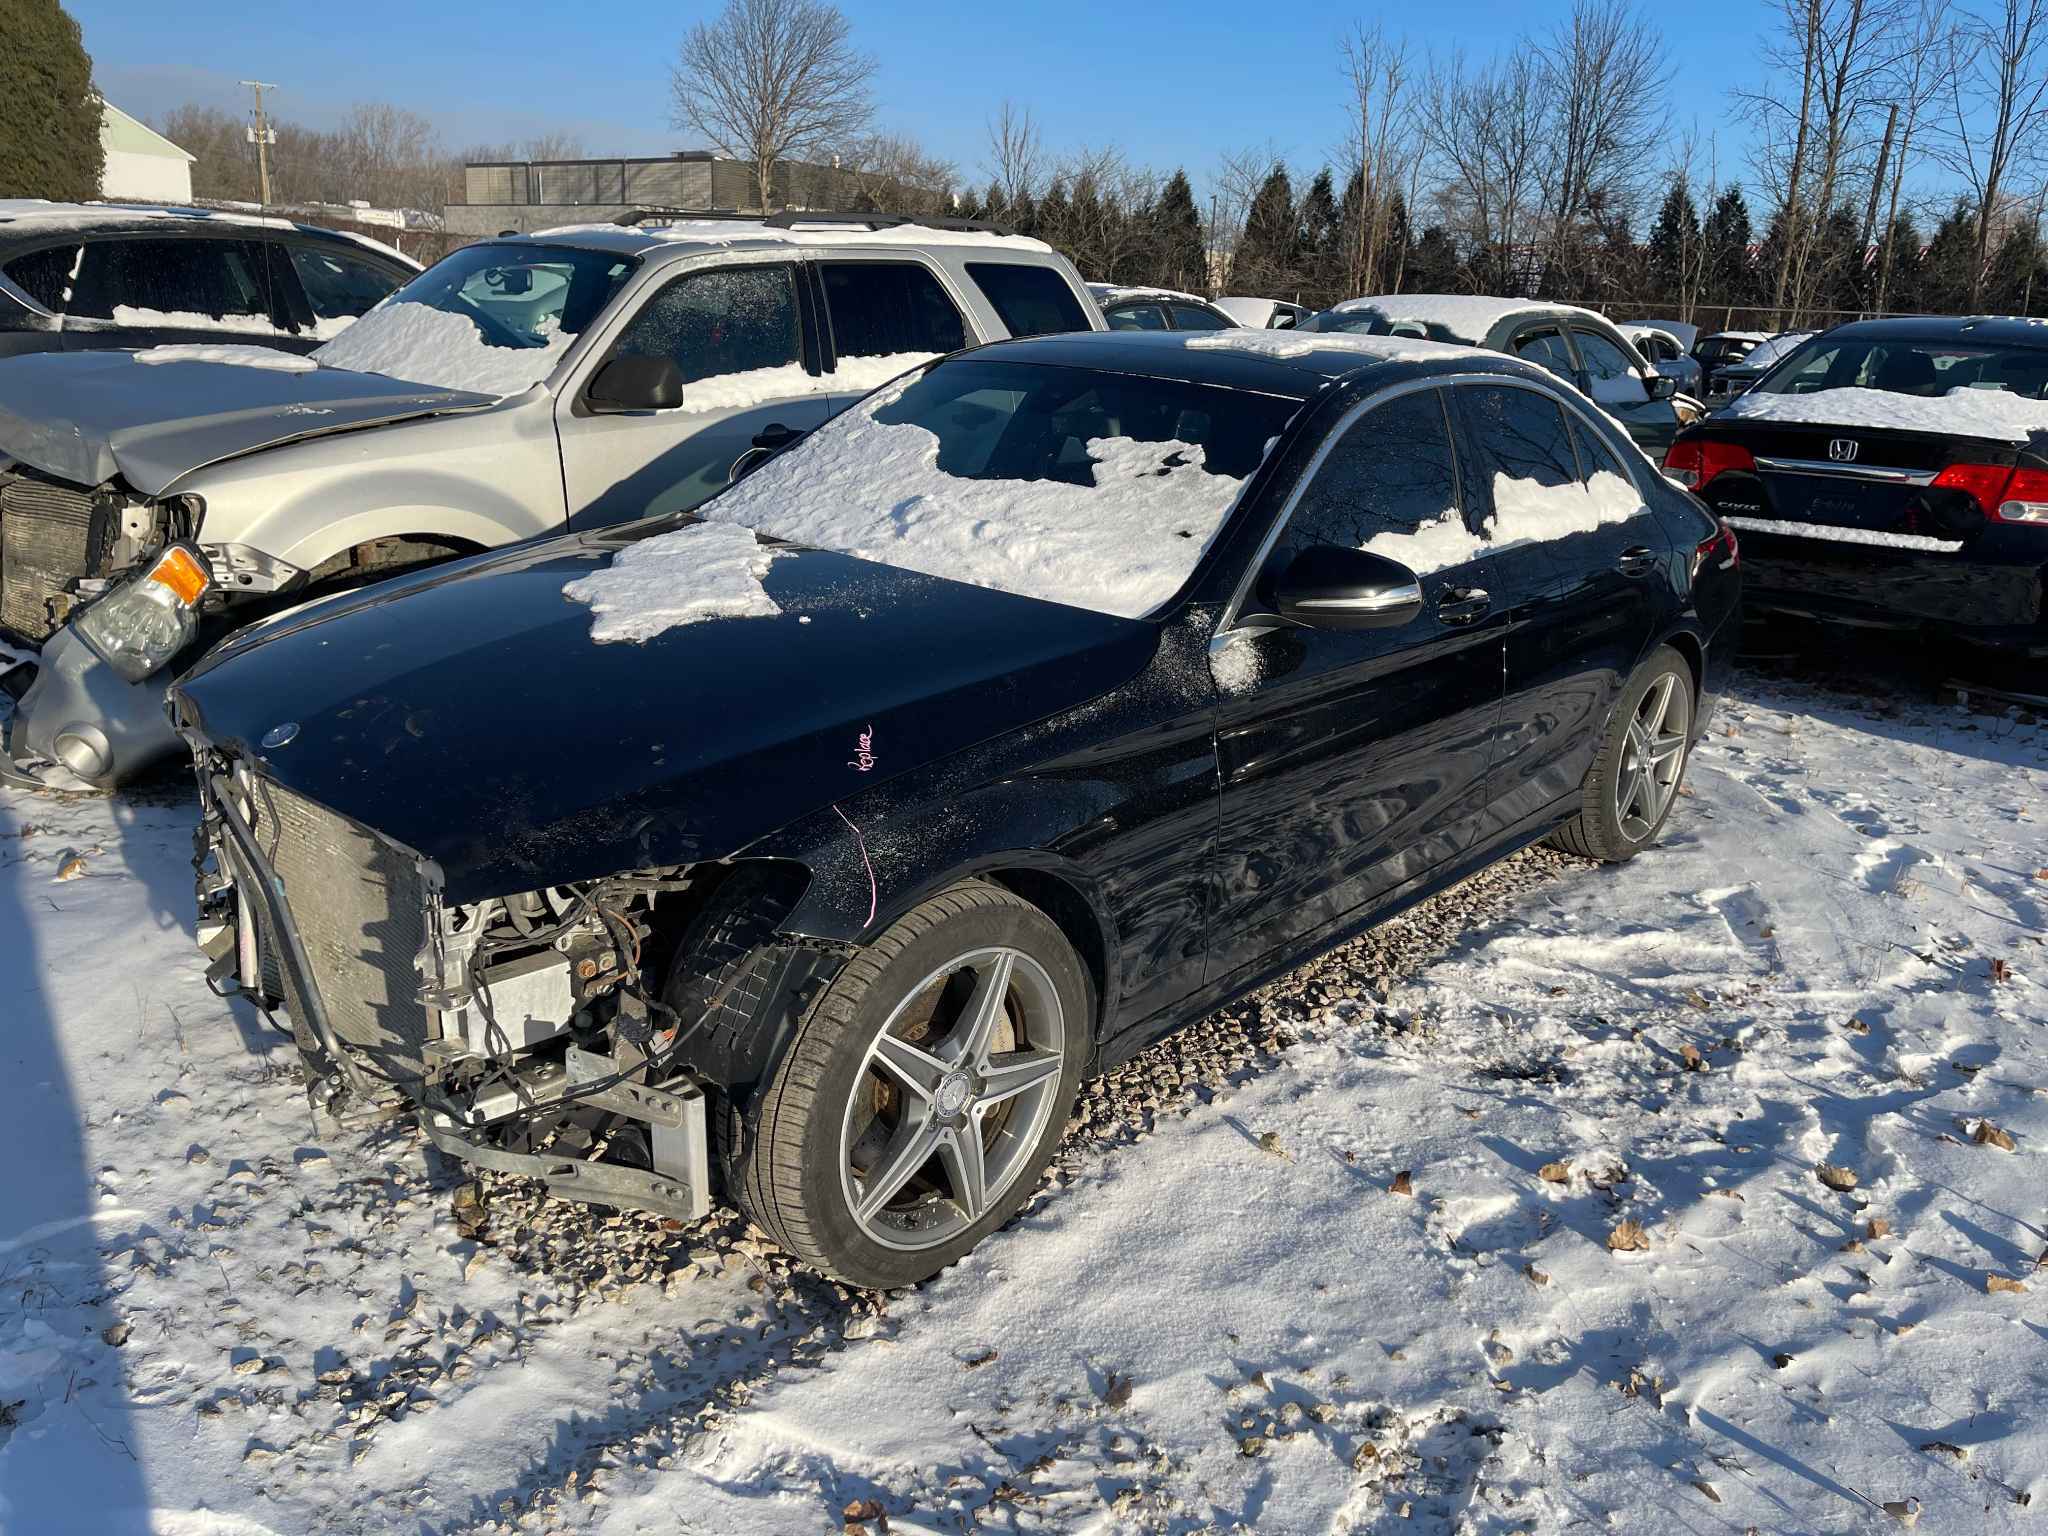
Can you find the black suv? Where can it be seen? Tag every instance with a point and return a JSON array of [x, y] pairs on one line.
[[75, 277]]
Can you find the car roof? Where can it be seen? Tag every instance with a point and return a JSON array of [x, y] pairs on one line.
[[2010, 330], [687, 235], [1112, 293], [29, 218], [1468, 316], [1295, 364]]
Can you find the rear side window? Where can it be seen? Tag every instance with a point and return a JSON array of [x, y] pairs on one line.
[[1192, 317], [1547, 349], [1522, 436], [1595, 457], [191, 281], [1391, 477], [1030, 301], [339, 286], [725, 321], [1136, 317], [45, 275], [884, 308]]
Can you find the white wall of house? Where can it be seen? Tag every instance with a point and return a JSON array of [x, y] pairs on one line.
[[133, 178]]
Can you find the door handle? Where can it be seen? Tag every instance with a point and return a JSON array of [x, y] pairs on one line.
[[1638, 560], [1463, 605], [775, 436]]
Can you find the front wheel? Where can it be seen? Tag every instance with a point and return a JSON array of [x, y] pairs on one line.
[[1633, 783], [924, 1094]]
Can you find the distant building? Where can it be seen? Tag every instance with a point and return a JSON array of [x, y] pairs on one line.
[[142, 165], [526, 195]]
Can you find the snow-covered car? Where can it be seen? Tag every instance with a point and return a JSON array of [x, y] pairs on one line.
[[77, 277], [1579, 346], [1264, 314], [1891, 473], [1157, 309], [1665, 352], [1046, 700], [1731, 379], [524, 386], [1684, 332]]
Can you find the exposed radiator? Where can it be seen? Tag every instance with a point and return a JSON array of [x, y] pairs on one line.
[[50, 536], [359, 907]]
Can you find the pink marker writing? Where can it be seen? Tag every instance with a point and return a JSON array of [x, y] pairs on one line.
[[863, 759]]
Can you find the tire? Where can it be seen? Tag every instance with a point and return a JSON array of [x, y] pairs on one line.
[[843, 1114], [1622, 808]]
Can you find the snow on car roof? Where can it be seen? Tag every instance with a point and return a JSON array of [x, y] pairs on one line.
[[1467, 316], [638, 238], [1965, 412], [1111, 293], [1740, 336], [16, 210], [1289, 344], [1772, 348]]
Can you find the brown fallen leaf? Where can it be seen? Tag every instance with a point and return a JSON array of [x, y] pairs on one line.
[[1766, 933], [1857, 1027], [1707, 1488], [1555, 1173], [1694, 1061], [858, 1512], [2000, 971], [975, 1362], [1629, 1237], [1835, 1176], [1878, 1227], [1402, 1185], [1905, 1511], [2041, 874], [72, 868], [1943, 1448], [1269, 1141], [1536, 1276], [1698, 1001], [1727, 1194], [1782, 1362], [1854, 1245], [1995, 1283], [1116, 1390], [1989, 1135]]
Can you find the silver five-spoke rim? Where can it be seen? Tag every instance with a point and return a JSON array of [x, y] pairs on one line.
[[951, 1098], [1652, 759]]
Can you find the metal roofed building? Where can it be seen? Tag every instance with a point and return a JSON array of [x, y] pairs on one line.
[[528, 195]]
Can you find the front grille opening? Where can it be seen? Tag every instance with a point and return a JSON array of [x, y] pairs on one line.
[[51, 536]]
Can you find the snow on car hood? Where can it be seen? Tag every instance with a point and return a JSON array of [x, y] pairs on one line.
[[696, 572], [425, 345], [89, 417], [1987, 413]]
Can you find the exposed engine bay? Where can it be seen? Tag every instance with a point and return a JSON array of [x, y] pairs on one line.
[[62, 545]]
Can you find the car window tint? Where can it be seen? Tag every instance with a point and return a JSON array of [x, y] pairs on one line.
[[1546, 349], [1391, 476], [339, 286], [149, 281], [1596, 456], [1192, 317], [1521, 436], [1611, 375], [1136, 317], [726, 321], [887, 308], [1031, 301], [45, 275]]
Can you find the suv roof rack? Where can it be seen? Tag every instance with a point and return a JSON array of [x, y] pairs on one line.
[[644, 215], [791, 218]]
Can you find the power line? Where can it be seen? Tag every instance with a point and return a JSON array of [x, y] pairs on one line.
[[261, 133]]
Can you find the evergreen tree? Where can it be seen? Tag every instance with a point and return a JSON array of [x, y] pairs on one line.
[[1902, 288], [1837, 268], [49, 111], [1319, 239], [1727, 236], [1266, 264], [1052, 223], [1394, 240], [1768, 252], [1085, 241], [1344, 280], [1182, 259], [1948, 269], [2019, 271], [1674, 240], [1433, 265]]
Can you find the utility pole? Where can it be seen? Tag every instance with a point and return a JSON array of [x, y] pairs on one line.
[[261, 136]]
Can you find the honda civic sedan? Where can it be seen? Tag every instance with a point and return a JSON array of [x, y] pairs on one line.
[[809, 850]]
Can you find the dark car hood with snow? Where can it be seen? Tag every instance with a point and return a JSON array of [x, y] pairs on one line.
[[89, 417], [471, 715]]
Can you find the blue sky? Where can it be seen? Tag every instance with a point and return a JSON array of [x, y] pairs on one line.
[[1171, 84]]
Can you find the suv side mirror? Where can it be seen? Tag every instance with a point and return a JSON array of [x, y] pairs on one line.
[[1661, 386], [1329, 587], [637, 384]]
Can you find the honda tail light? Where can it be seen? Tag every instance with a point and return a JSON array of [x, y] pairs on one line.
[[1721, 551], [1694, 463], [2007, 495]]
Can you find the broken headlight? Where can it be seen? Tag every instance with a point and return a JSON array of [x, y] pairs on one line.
[[143, 623]]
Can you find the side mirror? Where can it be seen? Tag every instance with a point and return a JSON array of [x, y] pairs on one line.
[[1329, 587], [1661, 386], [636, 384]]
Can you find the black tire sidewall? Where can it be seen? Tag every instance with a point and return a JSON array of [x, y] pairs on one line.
[[1661, 661], [851, 1253]]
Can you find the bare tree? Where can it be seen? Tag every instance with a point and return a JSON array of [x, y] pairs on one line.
[[1016, 155], [1920, 79], [892, 172], [1487, 128], [1382, 151], [1233, 184], [769, 80], [1999, 99], [1605, 72]]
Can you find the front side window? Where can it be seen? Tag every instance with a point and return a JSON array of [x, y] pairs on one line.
[[889, 309], [190, 282], [1610, 372], [45, 275], [1547, 349], [491, 318], [1193, 317], [339, 287], [1538, 491], [1388, 486], [1096, 490], [727, 321], [1136, 317], [1031, 301]]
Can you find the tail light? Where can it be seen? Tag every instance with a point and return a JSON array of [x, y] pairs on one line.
[[2007, 495], [1721, 551], [1695, 462]]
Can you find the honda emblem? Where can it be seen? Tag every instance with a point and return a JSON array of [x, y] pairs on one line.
[[1842, 449]]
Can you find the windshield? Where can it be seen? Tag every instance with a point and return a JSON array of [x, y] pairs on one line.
[[1909, 367], [490, 318], [1098, 490]]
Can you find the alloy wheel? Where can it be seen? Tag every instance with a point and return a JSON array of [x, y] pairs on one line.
[[1653, 758], [952, 1097]]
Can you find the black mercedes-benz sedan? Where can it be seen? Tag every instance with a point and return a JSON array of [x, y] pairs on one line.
[[1891, 473], [810, 850]]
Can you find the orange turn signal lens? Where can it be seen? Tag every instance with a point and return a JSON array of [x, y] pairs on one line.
[[181, 571]]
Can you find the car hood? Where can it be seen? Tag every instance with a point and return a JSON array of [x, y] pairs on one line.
[[87, 417], [470, 716]]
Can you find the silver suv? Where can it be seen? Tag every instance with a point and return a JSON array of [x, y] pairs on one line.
[[563, 380]]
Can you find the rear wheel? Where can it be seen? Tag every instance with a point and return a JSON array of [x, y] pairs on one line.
[[924, 1094], [1633, 783]]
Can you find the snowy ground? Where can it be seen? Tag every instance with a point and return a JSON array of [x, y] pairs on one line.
[[1337, 1260]]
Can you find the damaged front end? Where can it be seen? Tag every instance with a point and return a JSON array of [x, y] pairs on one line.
[[524, 1030]]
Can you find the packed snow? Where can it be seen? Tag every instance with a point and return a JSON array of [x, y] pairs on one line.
[[1122, 544], [1876, 538], [242, 357], [751, 232], [1361, 1282], [163, 319], [758, 386], [1287, 344], [1112, 293], [1466, 316], [696, 572], [424, 345], [1987, 413]]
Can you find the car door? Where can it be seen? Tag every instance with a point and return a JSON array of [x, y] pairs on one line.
[[1575, 555], [1615, 383], [157, 290], [1353, 762], [883, 317], [749, 363]]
